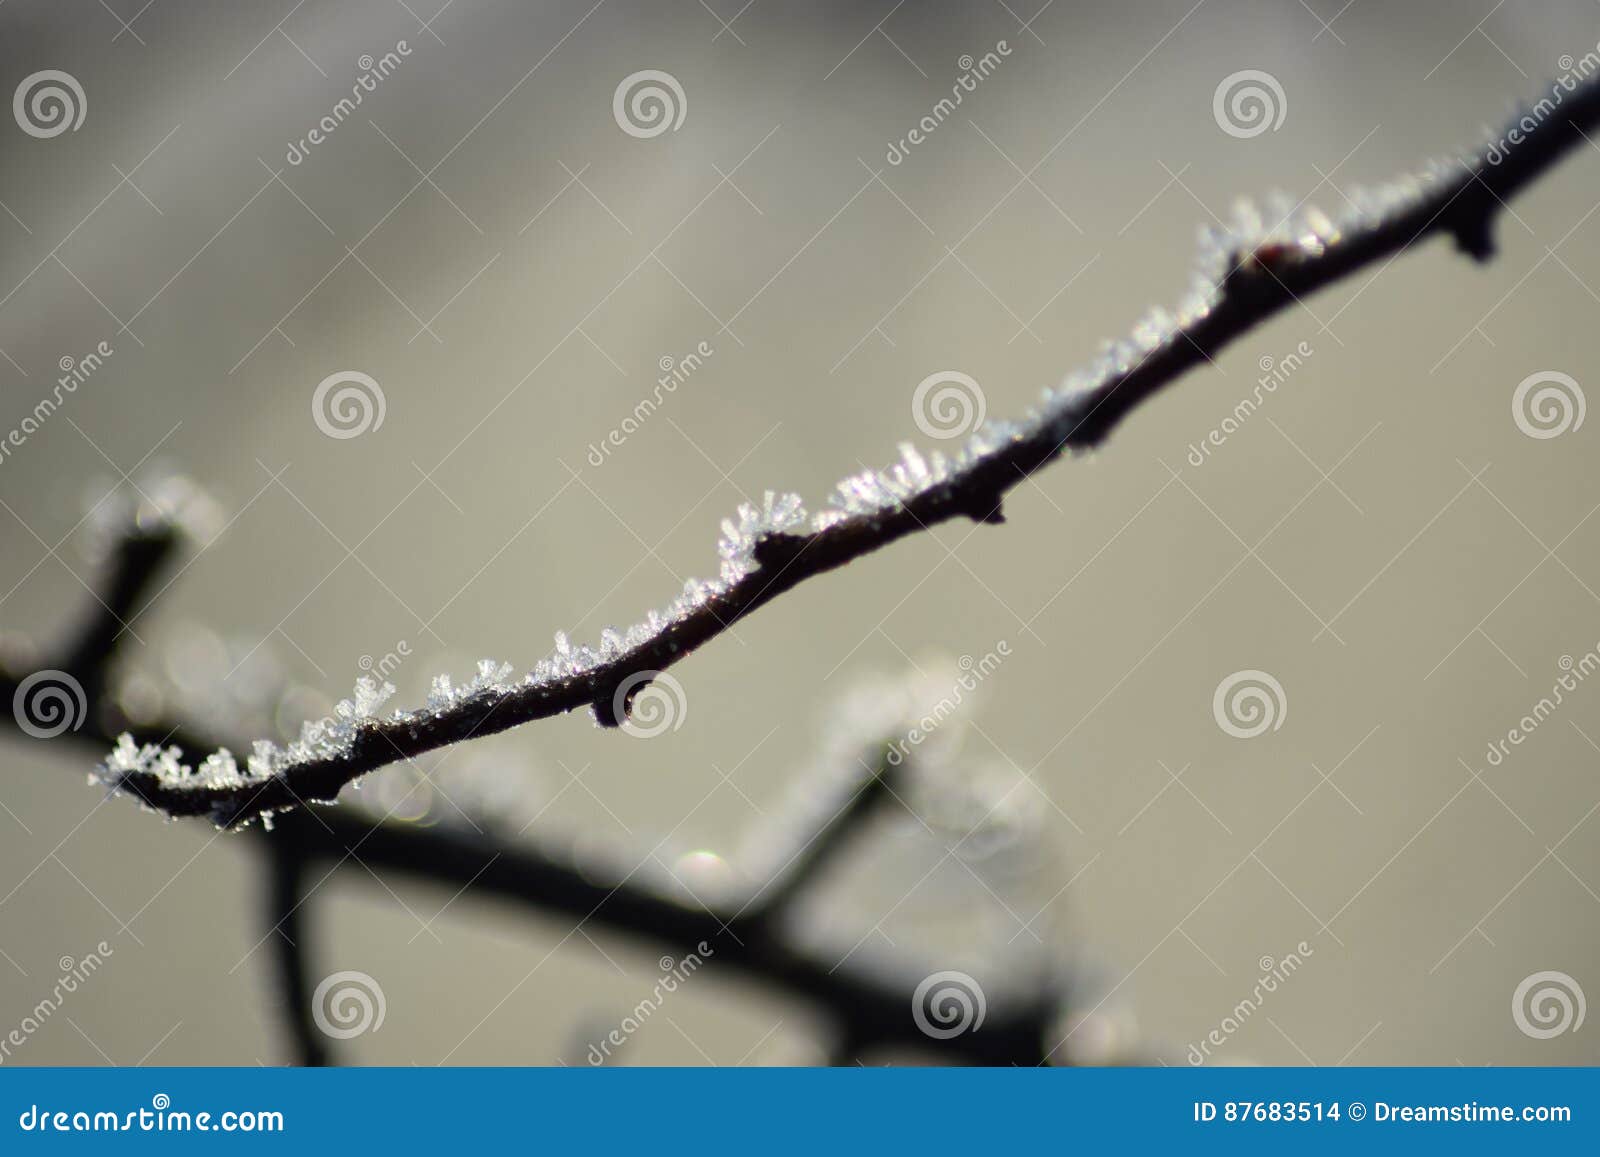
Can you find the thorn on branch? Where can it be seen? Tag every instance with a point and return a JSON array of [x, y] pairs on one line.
[[615, 702], [605, 712], [1474, 234], [984, 508]]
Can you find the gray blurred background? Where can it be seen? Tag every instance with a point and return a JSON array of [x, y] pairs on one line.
[[484, 240]]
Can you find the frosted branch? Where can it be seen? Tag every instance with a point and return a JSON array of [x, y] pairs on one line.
[[1247, 273]]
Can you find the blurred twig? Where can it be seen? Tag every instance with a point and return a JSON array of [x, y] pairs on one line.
[[287, 924], [870, 1005]]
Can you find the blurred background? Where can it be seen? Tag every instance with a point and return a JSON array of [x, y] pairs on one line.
[[512, 268]]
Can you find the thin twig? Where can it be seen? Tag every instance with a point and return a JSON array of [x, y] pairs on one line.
[[1263, 274]]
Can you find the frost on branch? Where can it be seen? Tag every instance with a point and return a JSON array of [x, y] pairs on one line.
[[1261, 263], [320, 739]]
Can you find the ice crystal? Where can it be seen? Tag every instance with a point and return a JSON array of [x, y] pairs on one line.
[[319, 739], [490, 678]]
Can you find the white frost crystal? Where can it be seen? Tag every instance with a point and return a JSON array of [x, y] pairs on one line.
[[128, 756], [778, 514], [319, 739]]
